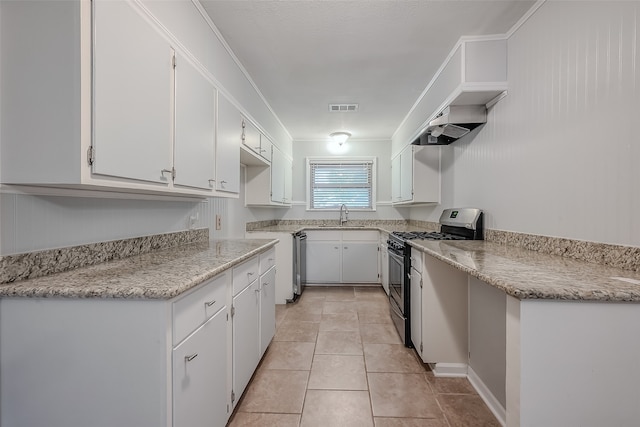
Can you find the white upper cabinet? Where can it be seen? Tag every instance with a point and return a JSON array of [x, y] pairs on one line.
[[194, 156], [395, 179], [98, 104], [415, 175], [228, 147], [406, 175], [270, 185], [132, 95]]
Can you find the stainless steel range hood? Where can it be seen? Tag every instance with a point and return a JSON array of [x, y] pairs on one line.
[[452, 123]]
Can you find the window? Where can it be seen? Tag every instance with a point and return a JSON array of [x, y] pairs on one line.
[[332, 182]]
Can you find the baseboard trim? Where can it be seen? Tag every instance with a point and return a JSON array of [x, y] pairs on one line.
[[449, 369], [488, 397]]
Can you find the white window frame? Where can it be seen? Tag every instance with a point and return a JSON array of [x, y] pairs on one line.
[[338, 160]]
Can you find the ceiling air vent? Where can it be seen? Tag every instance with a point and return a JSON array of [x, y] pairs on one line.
[[343, 108]]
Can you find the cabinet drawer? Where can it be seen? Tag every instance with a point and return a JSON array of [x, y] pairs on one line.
[[359, 236], [244, 274], [267, 260], [194, 309]]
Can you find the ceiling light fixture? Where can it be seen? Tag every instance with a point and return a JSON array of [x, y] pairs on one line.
[[340, 137]]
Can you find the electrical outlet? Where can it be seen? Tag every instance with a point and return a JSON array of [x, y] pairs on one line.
[[218, 222]]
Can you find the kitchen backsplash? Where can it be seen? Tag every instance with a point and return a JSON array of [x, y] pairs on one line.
[[386, 224], [36, 264], [626, 257]]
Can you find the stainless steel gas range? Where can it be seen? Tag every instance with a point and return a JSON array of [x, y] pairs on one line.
[[455, 224]]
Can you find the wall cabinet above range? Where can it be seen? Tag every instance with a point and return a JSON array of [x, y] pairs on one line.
[[415, 176], [474, 73]]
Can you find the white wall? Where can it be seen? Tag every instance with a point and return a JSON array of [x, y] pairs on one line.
[[32, 223], [559, 155], [379, 149]]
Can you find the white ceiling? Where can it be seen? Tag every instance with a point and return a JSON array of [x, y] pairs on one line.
[[381, 54]]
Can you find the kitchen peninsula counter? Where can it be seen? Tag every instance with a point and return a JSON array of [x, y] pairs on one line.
[[527, 274], [552, 340], [161, 274]]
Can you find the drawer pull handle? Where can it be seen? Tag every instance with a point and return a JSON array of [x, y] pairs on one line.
[[190, 358], [210, 303], [265, 283], [257, 291], [249, 274]]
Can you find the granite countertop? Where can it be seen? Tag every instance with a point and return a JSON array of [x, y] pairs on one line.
[[526, 274], [293, 228], [161, 274]]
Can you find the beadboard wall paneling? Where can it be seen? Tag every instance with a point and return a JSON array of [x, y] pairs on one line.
[[559, 155]]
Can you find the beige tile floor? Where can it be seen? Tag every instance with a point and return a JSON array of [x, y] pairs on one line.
[[336, 360]]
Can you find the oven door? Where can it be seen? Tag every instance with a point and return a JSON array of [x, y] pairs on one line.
[[397, 289], [396, 278]]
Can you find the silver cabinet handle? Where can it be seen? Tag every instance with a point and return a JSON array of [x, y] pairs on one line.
[[191, 357], [265, 283], [210, 303], [211, 181], [172, 171], [249, 274], [257, 291]]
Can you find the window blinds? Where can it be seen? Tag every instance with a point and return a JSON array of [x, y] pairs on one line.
[[333, 184]]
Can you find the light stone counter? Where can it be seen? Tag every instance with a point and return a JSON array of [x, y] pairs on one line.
[[526, 274], [378, 225], [155, 275]]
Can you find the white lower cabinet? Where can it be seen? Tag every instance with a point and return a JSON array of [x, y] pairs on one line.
[[415, 309], [106, 362], [444, 317], [199, 365], [348, 256], [360, 262], [323, 261], [253, 317], [246, 339], [267, 308], [384, 262]]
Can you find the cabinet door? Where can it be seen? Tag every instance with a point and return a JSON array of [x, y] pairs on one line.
[[395, 179], [194, 160], [267, 308], [360, 262], [246, 352], [265, 147], [406, 174], [199, 373], [323, 262], [277, 176], [132, 95], [288, 180], [250, 136], [384, 267], [415, 310], [228, 147]]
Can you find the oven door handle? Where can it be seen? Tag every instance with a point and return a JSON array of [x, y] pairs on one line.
[[396, 257], [395, 309]]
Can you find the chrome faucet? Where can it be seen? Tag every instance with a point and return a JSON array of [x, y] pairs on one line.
[[344, 214]]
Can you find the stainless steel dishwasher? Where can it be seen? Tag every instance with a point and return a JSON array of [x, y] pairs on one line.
[[299, 263]]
